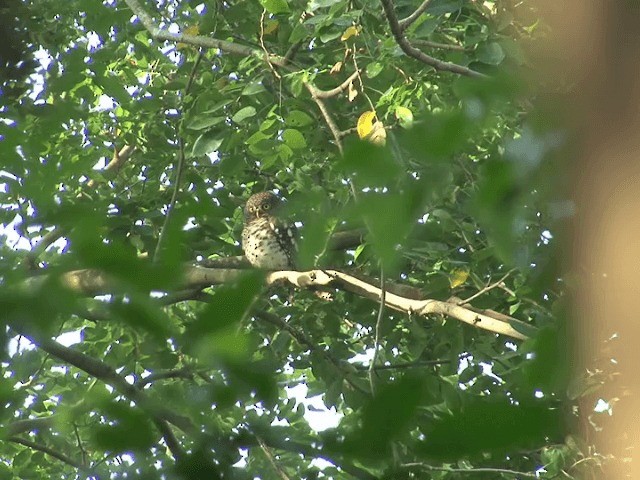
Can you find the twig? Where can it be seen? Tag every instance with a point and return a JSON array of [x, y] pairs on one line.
[[317, 93], [79, 444], [169, 437], [267, 451], [197, 40], [172, 202], [179, 168], [117, 161], [413, 52], [184, 372], [302, 339], [402, 366], [487, 288], [376, 342], [47, 239], [467, 470], [264, 49], [442, 46], [406, 22], [335, 131], [51, 452], [248, 438]]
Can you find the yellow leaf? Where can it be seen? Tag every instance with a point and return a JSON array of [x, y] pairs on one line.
[[336, 68], [191, 30], [458, 277], [371, 129], [350, 32], [365, 124], [271, 26]]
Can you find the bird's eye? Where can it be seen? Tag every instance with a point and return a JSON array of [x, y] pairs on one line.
[[252, 209], [266, 206]]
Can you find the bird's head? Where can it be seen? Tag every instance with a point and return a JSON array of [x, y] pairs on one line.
[[260, 205]]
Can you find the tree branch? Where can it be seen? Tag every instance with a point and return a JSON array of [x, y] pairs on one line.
[[303, 340], [51, 452], [106, 374], [467, 470], [317, 93], [406, 22], [117, 161], [443, 46], [197, 40], [411, 51], [93, 282], [335, 131], [402, 304]]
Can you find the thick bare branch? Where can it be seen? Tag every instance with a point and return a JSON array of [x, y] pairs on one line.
[[92, 282], [419, 307]]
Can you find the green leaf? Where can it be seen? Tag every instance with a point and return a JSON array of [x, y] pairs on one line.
[[298, 118], [490, 53], [294, 139], [202, 122], [374, 69], [243, 114], [206, 143], [275, 6]]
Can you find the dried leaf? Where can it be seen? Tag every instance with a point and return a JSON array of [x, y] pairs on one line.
[[378, 135], [353, 93], [336, 68]]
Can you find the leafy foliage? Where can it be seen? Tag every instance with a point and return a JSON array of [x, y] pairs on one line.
[[131, 156]]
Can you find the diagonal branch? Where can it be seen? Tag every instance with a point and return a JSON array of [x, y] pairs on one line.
[[333, 127], [51, 452], [108, 375], [413, 52]]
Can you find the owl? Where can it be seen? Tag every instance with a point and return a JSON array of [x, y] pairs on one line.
[[268, 241]]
